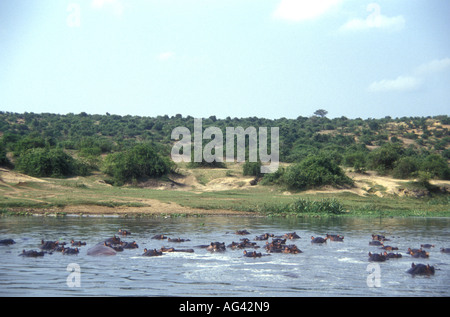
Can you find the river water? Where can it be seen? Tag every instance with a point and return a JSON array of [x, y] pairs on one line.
[[331, 269]]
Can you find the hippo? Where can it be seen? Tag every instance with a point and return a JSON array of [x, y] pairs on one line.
[[392, 255], [291, 236], [124, 232], [153, 252], [318, 240], [253, 254], [418, 253], [276, 246], [427, 246], [116, 247], [164, 249], [270, 248], [265, 236], [379, 237], [445, 250], [235, 245], [77, 243], [377, 257], [177, 240], [242, 232], [202, 246], [129, 245], [70, 251], [421, 269], [245, 243], [216, 247], [7, 242], [389, 248], [32, 253], [335, 237], [376, 242], [184, 250], [159, 237], [48, 245], [113, 240], [59, 248], [292, 249], [278, 241], [101, 250]]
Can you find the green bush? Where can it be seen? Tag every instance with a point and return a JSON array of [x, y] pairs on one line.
[[41, 162], [406, 167], [273, 178], [383, 159], [315, 171], [252, 169], [357, 160], [436, 166], [141, 161], [28, 142]]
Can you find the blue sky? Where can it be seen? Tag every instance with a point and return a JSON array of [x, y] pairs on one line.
[[237, 58]]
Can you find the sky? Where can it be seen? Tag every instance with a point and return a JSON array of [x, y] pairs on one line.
[[237, 58]]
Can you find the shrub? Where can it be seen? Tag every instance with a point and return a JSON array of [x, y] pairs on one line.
[[405, 167], [383, 159], [436, 166], [252, 169], [41, 162], [141, 161], [315, 171], [357, 160], [273, 178]]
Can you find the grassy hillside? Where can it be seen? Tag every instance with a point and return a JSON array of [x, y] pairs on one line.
[[398, 166]]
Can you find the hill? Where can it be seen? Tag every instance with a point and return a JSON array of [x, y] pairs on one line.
[[404, 150]]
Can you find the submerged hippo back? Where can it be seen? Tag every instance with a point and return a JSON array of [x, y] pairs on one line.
[[100, 250]]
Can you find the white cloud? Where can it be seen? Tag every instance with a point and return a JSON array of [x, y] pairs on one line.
[[164, 56], [411, 82], [434, 66], [299, 10], [375, 20], [115, 5], [401, 83]]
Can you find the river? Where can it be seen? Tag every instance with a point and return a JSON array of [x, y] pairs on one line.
[[330, 269]]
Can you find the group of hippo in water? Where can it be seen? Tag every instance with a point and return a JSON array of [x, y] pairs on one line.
[[416, 269], [48, 247], [278, 244]]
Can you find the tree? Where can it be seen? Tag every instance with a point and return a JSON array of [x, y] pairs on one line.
[[321, 113], [405, 167], [357, 160], [141, 161], [315, 171], [436, 166], [40, 162], [383, 159]]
